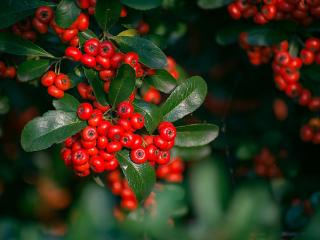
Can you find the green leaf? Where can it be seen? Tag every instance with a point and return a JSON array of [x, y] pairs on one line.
[[265, 36], [149, 54], [142, 4], [196, 135], [185, 99], [162, 80], [86, 35], [191, 153], [122, 85], [141, 177], [12, 44], [32, 69], [151, 113], [230, 34], [14, 11], [107, 13], [68, 103], [53, 127], [311, 72], [97, 85], [211, 4], [66, 13]]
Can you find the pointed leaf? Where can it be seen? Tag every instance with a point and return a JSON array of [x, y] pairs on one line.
[[53, 127], [149, 54], [97, 85], [66, 13], [141, 177], [185, 99], [68, 103], [142, 4], [107, 13], [12, 44], [191, 153], [32, 69], [122, 85], [151, 113], [162, 80]]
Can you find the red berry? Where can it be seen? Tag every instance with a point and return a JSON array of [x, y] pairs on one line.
[[89, 133], [88, 60], [84, 111], [82, 22], [39, 26], [163, 158], [136, 141], [69, 34], [126, 139], [91, 47], [48, 78], [105, 63], [160, 142], [107, 49], [115, 132], [92, 151], [114, 147], [55, 92], [106, 74], [103, 127], [62, 81], [102, 142], [137, 121], [152, 96], [138, 155], [269, 11], [97, 164], [313, 44], [111, 165], [307, 56], [125, 109], [306, 133], [152, 152], [66, 155], [73, 53], [234, 11], [95, 118], [116, 60], [75, 42], [167, 131], [131, 58], [88, 144], [44, 14], [282, 58], [106, 156], [125, 124], [80, 157]]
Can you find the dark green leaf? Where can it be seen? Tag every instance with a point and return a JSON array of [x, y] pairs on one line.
[[14, 11], [149, 54], [32, 69], [141, 177], [12, 44], [76, 77], [122, 85], [191, 153], [68, 103], [210, 4], [151, 113], [162, 80], [265, 36], [86, 35], [196, 135], [230, 34], [53, 127], [66, 13], [142, 4], [185, 99], [97, 85], [311, 72], [107, 13]]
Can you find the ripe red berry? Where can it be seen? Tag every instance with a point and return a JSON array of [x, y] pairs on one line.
[[313, 44], [107, 49], [234, 11], [305, 97], [105, 63], [39, 26], [125, 124], [116, 60], [282, 58], [102, 142], [136, 141], [167, 131], [62, 81], [125, 109], [88, 144], [269, 11], [66, 155], [73, 53], [152, 152], [138, 155], [91, 47], [44, 14], [306, 133], [95, 118], [83, 4], [126, 139], [84, 111], [131, 58], [55, 92], [106, 156], [160, 142], [111, 165], [82, 169], [80, 157], [97, 164], [163, 158], [137, 121], [48, 78], [114, 147], [69, 34], [307, 56], [103, 127], [82, 22], [92, 151], [152, 96], [115, 132], [88, 60], [89, 133], [75, 42], [106, 74]]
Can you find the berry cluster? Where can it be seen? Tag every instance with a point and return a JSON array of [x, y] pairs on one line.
[[286, 70], [7, 71], [172, 172], [89, 5], [265, 11], [310, 132], [265, 164], [56, 83]]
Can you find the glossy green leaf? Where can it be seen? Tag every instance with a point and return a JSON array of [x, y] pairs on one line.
[[142, 4], [122, 85], [97, 85], [162, 80], [196, 134], [191, 153], [53, 127], [185, 99], [86, 35], [151, 113], [107, 13], [14, 11], [265, 36], [211, 4], [141, 177], [32, 69], [68, 103], [66, 13], [13, 44], [149, 54]]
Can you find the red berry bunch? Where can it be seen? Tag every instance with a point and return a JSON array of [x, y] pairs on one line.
[[310, 132], [89, 5], [7, 71], [70, 35], [265, 164], [172, 172], [265, 11], [56, 83], [287, 72]]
